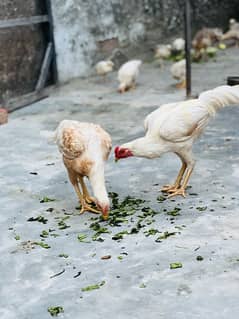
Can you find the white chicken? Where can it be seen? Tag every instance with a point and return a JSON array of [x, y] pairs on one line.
[[174, 127], [163, 51], [178, 45], [233, 24], [178, 71], [85, 148], [104, 67], [128, 74], [233, 32]]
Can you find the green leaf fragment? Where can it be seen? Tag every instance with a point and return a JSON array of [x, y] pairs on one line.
[[120, 257], [39, 219], [44, 234], [199, 258], [174, 212], [55, 311], [151, 232], [201, 209], [161, 199], [176, 265], [42, 244], [82, 237], [47, 200], [17, 237], [120, 235], [63, 255], [93, 287], [165, 235], [142, 286]]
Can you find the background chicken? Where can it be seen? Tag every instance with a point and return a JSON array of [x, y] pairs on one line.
[[104, 67], [128, 74], [85, 148], [178, 71], [233, 32], [174, 127], [206, 37], [178, 46], [163, 51]]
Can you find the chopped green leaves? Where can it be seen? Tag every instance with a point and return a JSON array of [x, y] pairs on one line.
[[63, 255], [39, 219], [199, 258], [55, 311], [176, 265], [82, 237], [120, 235], [165, 235], [42, 244], [151, 232], [44, 234], [93, 287], [47, 200], [201, 209], [174, 212]]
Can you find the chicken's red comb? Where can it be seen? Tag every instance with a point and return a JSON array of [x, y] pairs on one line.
[[116, 150]]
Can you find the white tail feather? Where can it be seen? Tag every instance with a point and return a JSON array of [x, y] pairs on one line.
[[220, 97]]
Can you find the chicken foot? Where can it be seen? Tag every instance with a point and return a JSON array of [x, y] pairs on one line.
[[176, 185], [85, 207], [89, 199], [181, 85], [182, 189]]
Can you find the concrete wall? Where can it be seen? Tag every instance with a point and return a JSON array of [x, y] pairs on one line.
[[86, 31], [21, 49]]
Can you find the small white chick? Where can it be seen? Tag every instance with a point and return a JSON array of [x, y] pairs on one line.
[[178, 45], [128, 74], [178, 71], [233, 24], [104, 67], [163, 51]]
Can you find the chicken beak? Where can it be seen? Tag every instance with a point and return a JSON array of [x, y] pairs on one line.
[[105, 212], [105, 217]]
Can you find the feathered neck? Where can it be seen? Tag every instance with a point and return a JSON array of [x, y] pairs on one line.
[[97, 180], [146, 147]]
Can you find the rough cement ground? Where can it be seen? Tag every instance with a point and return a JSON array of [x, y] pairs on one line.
[[207, 225]]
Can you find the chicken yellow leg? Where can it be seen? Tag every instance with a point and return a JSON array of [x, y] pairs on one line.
[[85, 207], [181, 190], [89, 199], [181, 85], [175, 186]]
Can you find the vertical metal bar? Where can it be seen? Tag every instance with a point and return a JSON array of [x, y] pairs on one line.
[[51, 39], [188, 40]]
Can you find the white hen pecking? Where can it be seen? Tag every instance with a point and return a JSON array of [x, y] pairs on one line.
[[85, 148], [128, 74]]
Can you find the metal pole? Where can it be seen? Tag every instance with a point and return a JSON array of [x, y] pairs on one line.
[[51, 39], [188, 46]]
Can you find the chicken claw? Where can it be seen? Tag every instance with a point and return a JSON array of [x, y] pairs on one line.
[[179, 191], [88, 208], [90, 200], [169, 188]]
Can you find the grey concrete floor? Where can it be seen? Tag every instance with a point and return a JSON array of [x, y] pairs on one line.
[[140, 284]]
